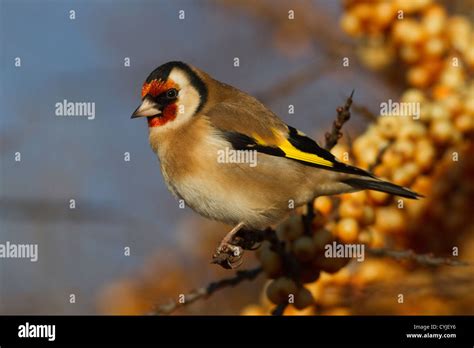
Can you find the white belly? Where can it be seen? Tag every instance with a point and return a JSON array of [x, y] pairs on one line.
[[230, 193], [207, 194]]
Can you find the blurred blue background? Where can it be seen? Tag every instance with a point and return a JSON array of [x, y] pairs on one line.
[[118, 203]]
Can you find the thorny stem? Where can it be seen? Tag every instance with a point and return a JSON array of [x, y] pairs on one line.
[[343, 115], [421, 259], [379, 158], [208, 290], [279, 309]]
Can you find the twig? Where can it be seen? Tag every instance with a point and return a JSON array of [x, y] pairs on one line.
[[293, 82], [208, 290], [378, 159], [279, 309], [291, 265], [308, 217], [364, 112], [422, 259], [343, 115]]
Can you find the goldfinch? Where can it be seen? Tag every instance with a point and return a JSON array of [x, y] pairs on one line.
[[193, 119]]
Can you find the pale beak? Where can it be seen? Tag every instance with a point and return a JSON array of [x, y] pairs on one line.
[[147, 108]]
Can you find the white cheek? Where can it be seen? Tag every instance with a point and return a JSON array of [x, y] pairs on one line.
[[188, 102], [179, 77]]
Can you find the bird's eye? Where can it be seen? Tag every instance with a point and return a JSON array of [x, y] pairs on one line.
[[171, 93]]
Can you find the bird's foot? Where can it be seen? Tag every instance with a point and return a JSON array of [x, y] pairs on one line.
[[231, 249], [248, 239], [228, 255]]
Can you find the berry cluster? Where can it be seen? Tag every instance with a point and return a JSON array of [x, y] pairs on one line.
[[426, 152], [418, 32]]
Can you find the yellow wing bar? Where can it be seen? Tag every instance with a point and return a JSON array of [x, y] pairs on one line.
[[292, 152]]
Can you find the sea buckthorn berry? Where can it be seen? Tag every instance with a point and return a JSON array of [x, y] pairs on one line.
[[330, 264], [309, 273], [291, 228], [321, 238], [390, 220], [271, 263], [323, 204], [303, 298], [351, 209], [347, 230], [304, 248], [279, 290]]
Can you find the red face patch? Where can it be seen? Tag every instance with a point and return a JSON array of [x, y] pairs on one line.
[[155, 88], [169, 114]]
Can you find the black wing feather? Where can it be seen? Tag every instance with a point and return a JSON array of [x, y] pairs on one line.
[[303, 143]]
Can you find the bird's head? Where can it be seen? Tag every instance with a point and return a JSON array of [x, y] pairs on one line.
[[171, 95]]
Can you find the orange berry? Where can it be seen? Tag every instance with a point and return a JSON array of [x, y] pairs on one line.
[[323, 204], [329, 265], [404, 147], [321, 238], [378, 197], [441, 91], [435, 46], [279, 290], [384, 13], [303, 298], [441, 131], [410, 53], [309, 274], [252, 310], [351, 24], [271, 263], [291, 228], [377, 239], [365, 237], [337, 311], [464, 123], [368, 216], [318, 222], [422, 184], [408, 31], [350, 209], [390, 220], [362, 11], [304, 248], [424, 154], [419, 76], [347, 230], [434, 20]]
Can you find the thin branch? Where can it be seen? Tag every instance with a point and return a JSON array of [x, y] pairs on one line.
[[293, 82], [208, 290], [279, 309], [364, 112], [379, 158], [422, 259], [343, 115]]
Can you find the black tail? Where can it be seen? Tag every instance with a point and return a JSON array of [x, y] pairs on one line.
[[383, 186]]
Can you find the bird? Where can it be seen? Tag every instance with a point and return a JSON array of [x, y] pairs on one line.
[[193, 119]]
